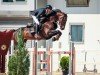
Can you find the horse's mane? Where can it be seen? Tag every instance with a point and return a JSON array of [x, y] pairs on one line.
[[53, 13], [57, 10]]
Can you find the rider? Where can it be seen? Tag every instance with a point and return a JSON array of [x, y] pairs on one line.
[[40, 16]]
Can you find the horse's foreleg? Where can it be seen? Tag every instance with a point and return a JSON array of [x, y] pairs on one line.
[[55, 34], [56, 37]]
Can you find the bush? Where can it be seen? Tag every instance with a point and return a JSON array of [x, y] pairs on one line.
[[19, 62], [64, 63]]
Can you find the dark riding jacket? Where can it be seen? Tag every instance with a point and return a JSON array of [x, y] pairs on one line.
[[40, 14]]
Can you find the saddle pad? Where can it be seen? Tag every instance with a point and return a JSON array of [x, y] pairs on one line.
[[5, 41]]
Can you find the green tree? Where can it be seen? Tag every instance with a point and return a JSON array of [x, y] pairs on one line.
[[19, 62]]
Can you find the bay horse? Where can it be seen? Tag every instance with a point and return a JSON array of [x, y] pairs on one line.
[[48, 29]]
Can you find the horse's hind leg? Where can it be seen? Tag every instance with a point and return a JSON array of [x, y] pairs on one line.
[[55, 34]]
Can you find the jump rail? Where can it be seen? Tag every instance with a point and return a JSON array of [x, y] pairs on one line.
[[47, 61]]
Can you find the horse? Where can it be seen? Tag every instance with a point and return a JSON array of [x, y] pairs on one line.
[[48, 29]]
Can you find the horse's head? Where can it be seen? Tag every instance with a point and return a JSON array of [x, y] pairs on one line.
[[62, 18], [58, 16]]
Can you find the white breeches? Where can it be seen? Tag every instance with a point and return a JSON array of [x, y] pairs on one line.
[[35, 19]]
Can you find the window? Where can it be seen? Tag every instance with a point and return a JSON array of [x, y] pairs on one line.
[[20, 0], [7, 0], [77, 3], [77, 33], [12, 0]]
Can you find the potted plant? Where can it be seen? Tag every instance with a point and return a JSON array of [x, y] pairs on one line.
[[64, 63]]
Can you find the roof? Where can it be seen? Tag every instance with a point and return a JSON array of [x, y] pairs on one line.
[[15, 18]]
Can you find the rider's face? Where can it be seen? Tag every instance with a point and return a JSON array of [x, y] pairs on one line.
[[48, 11]]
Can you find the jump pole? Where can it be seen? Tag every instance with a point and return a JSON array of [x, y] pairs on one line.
[[72, 59], [35, 55], [48, 45], [35, 60]]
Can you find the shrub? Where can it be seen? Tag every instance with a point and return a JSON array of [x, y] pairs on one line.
[[64, 63]]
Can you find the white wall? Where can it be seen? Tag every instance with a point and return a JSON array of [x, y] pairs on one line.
[[61, 4], [92, 29], [28, 5], [91, 37], [90, 17], [41, 3], [6, 25]]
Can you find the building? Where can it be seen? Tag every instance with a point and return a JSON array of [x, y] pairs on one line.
[[15, 13], [83, 25]]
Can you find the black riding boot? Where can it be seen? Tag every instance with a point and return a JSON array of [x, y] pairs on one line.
[[37, 28]]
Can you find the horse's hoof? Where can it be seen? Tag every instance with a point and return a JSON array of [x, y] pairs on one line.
[[53, 39]]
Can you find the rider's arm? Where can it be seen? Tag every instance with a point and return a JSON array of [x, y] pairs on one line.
[[35, 12], [40, 13]]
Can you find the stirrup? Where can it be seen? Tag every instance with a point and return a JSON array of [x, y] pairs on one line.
[[29, 26], [33, 33]]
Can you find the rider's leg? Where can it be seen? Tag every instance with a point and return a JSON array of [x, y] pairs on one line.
[[36, 24], [35, 19]]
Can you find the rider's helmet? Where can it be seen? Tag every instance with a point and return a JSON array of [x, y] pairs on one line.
[[49, 7]]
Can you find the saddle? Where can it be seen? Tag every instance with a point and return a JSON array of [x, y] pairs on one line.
[[36, 28]]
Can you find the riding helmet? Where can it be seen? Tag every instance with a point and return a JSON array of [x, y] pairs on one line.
[[49, 6]]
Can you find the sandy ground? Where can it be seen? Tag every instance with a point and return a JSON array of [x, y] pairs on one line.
[[87, 73], [2, 74], [60, 73]]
